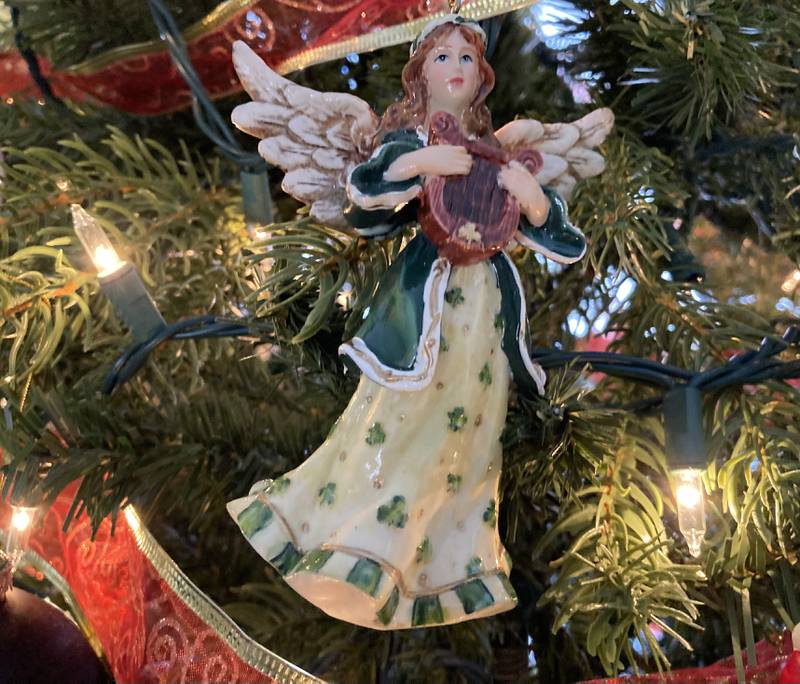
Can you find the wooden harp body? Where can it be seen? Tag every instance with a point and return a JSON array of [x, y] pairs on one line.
[[470, 218]]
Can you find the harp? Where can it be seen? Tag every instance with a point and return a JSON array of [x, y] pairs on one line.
[[470, 218]]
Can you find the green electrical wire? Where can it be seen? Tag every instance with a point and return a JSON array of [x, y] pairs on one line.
[[208, 118]]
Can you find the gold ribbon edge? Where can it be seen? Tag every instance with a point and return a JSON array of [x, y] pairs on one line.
[[382, 38], [395, 35], [57, 580], [249, 651]]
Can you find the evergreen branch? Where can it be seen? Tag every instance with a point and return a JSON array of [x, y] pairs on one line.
[[60, 30], [694, 65], [616, 577], [619, 209], [168, 222], [302, 257], [206, 419], [271, 612]]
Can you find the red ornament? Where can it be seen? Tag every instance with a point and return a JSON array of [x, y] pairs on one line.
[[774, 656], [38, 643], [148, 632], [791, 670]]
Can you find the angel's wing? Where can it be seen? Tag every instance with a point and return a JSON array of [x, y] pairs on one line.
[[565, 147], [315, 137]]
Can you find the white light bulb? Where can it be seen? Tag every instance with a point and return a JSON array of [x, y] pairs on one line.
[[688, 495], [19, 532], [95, 242], [257, 231], [21, 519], [691, 507], [345, 296], [106, 261]]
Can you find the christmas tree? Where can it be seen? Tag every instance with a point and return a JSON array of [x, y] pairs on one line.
[[694, 258]]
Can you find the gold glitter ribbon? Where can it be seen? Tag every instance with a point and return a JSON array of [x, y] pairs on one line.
[[249, 651], [375, 40], [55, 578], [396, 35]]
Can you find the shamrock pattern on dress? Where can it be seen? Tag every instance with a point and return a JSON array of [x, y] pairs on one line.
[[456, 418], [279, 486], [474, 567], [453, 483], [423, 552], [327, 494], [485, 376], [490, 514], [375, 434], [499, 323], [394, 513], [454, 297]]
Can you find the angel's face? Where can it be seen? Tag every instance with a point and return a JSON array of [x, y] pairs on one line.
[[452, 74]]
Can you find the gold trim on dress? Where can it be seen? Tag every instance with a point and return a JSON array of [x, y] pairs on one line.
[[264, 501]]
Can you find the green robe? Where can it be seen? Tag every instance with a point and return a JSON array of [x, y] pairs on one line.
[[392, 522], [389, 345]]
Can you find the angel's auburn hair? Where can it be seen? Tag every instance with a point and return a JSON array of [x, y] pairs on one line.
[[411, 111]]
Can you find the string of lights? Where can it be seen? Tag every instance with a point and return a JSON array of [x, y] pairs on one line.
[[681, 402], [31, 59], [253, 168], [682, 390]]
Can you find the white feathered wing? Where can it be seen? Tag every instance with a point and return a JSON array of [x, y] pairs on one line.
[[566, 148], [317, 138]]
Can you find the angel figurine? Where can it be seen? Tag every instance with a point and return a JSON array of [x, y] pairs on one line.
[[392, 522]]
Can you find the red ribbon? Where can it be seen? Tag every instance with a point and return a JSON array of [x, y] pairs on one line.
[[144, 80], [771, 658], [148, 633]]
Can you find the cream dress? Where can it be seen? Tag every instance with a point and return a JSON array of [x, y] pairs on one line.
[[392, 522]]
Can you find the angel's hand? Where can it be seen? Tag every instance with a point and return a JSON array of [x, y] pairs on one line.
[[435, 160], [523, 187]]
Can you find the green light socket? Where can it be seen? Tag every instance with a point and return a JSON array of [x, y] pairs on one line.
[[256, 198], [132, 302], [683, 428]]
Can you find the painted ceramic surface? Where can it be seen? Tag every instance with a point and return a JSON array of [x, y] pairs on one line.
[[392, 522]]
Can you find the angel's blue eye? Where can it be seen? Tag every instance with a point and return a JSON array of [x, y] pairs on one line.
[[467, 59], [441, 58]]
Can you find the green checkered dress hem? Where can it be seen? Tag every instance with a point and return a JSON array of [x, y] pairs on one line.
[[479, 595]]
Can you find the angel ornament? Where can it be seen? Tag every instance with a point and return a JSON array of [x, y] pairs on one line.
[[392, 522]]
